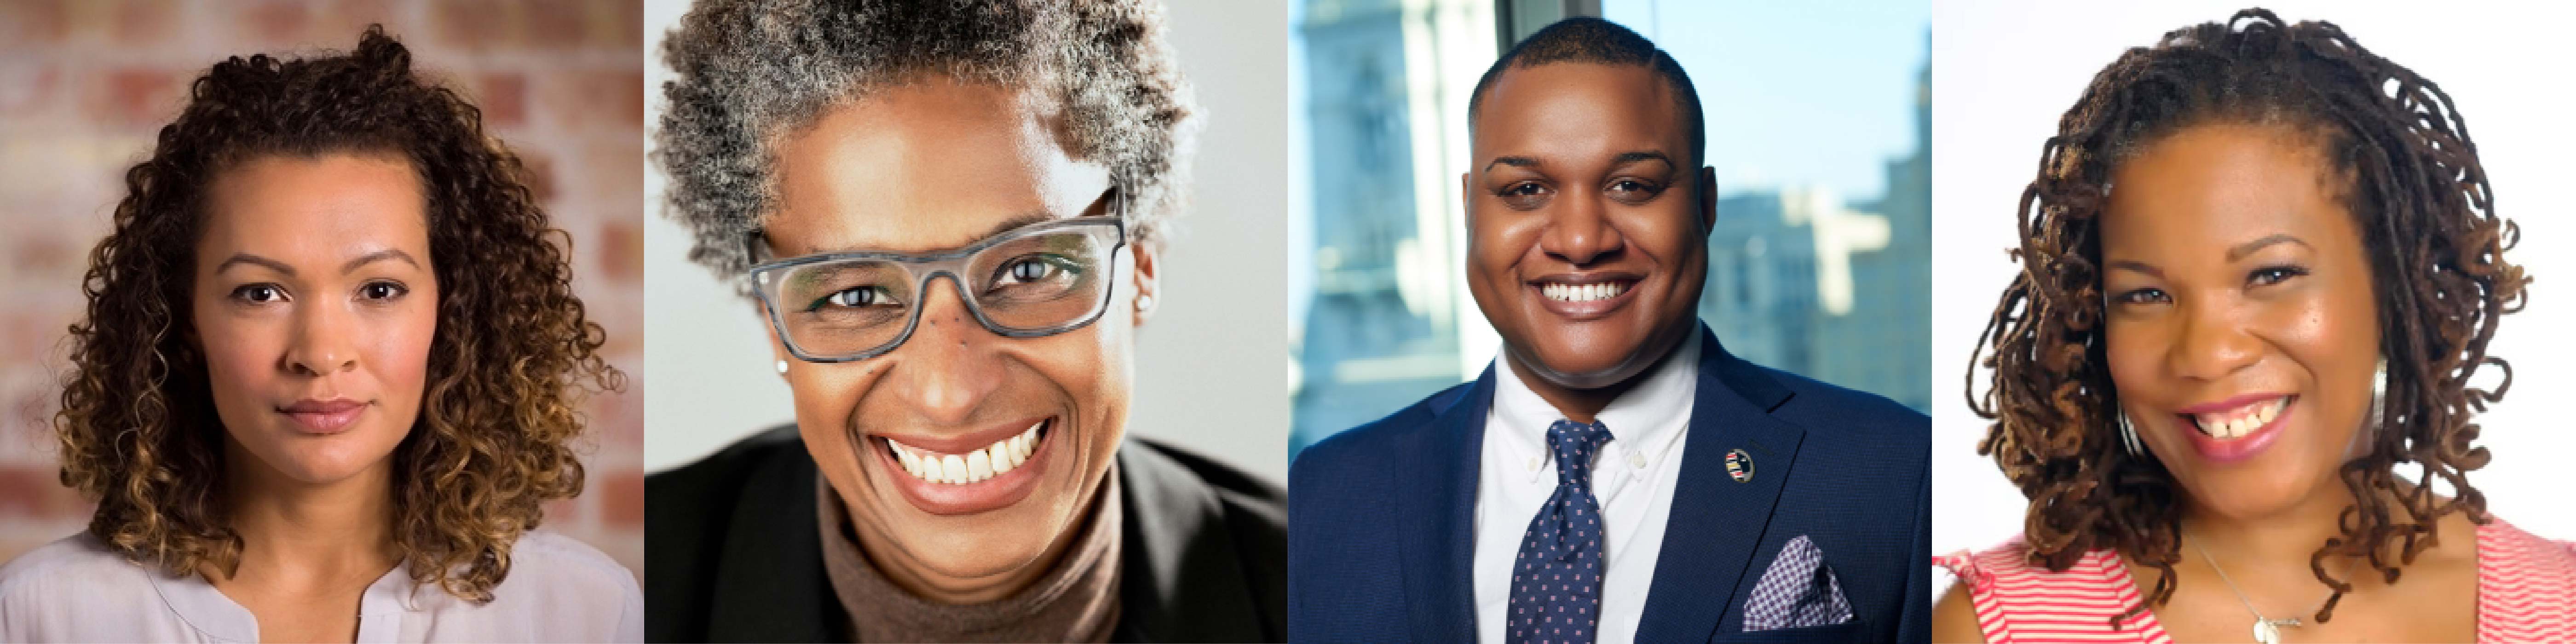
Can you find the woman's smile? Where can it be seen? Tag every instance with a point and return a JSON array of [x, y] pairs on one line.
[[965, 474]]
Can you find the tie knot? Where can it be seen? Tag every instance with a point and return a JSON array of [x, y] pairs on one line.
[[1574, 444]]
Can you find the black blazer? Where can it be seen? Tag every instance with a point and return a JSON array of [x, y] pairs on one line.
[[734, 553]]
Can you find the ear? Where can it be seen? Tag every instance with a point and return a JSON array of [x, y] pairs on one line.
[[1707, 195], [1148, 289]]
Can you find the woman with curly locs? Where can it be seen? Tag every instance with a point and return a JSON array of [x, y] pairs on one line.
[[2260, 270], [327, 378]]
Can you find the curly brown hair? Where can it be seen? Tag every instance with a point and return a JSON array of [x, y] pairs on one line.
[[2411, 178], [510, 361]]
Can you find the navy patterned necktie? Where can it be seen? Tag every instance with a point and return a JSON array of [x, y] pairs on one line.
[[1556, 580]]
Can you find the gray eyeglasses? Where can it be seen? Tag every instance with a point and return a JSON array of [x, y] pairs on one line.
[[1036, 280]]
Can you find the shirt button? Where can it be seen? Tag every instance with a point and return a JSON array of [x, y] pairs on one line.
[[1637, 459], [1536, 462]]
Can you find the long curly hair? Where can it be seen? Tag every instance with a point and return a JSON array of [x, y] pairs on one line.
[[511, 359], [2413, 183], [746, 73]]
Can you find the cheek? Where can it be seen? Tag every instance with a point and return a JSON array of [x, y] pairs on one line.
[[241, 359], [401, 351]]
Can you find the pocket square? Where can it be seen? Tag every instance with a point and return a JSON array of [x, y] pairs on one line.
[[1797, 591]]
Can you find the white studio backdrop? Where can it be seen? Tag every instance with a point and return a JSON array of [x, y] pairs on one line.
[[1211, 366], [2003, 73]]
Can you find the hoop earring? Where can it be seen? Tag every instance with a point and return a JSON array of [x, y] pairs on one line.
[[2129, 436], [2379, 396]]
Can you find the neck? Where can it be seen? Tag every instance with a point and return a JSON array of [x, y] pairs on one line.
[[1584, 404], [297, 534], [2279, 546]]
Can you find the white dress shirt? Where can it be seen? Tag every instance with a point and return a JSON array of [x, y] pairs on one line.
[[558, 590], [1632, 479]]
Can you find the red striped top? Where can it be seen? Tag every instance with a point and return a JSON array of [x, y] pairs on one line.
[[2526, 593]]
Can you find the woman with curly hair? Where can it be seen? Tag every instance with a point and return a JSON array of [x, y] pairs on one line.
[[947, 215], [2260, 270], [326, 380]]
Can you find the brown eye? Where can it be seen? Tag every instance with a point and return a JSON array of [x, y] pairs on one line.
[[1633, 191], [259, 293], [1524, 195], [382, 290]]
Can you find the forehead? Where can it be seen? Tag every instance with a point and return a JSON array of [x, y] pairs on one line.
[[335, 201], [923, 166], [2222, 183], [1579, 109]]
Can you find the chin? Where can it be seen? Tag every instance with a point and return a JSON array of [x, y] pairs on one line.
[[321, 460]]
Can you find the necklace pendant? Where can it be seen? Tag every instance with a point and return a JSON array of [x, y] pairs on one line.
[[2268, 631]]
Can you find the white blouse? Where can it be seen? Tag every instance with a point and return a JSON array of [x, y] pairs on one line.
[[79, 590]]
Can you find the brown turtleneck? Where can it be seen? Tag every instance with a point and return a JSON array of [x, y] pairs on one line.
[[1075, 601]]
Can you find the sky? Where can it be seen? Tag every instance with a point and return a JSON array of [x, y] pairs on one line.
[[1795, 93]]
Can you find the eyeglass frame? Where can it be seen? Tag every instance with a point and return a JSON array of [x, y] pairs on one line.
[[932, 267]]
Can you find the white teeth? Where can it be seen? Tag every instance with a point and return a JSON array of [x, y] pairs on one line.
[[959, 469], [1580, 292], [2241, 421]]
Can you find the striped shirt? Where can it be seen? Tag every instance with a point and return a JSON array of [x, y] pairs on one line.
[[2526, 593]]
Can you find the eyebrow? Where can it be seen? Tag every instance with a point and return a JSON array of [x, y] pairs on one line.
[[1623, 158], [388, 254], [1626, 158], [1517, 162], [2234, 253], [2239, 251]]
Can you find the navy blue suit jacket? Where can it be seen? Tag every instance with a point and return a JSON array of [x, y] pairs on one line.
[[1379, 516]]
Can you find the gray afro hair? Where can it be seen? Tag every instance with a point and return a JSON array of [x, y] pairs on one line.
[[747, 71]]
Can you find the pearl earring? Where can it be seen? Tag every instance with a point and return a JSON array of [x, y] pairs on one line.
[[1144, 302], [782, 367]]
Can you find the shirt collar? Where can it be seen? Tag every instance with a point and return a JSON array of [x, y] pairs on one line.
[[1643, 420], [218, 617]]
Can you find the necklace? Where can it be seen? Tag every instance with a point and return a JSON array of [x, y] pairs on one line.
[[2266, 630]]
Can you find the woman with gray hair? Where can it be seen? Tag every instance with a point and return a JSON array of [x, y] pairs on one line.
[[947, 215]]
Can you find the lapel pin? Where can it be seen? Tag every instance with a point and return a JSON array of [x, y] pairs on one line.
[[1739, 465]]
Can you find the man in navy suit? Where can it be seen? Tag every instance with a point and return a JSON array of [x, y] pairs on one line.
[[1616, 475]]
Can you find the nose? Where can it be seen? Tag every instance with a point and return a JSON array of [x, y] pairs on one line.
[[322, 343], [2213, 344], [947, 368], [1579, 231]]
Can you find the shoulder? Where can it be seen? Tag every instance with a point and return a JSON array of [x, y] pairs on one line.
[[1814, 402], [721, 474], [76, 583], [78, 566], [698, 500], [551, 563], [558, 589], [1248, 501], [1371, 446], [2508, 551]]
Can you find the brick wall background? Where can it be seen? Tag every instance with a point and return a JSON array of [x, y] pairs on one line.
[[84, 84]]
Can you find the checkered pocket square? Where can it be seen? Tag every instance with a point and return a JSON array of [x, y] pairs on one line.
[[1797, 591]]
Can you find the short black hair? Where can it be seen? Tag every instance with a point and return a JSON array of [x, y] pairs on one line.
[[1586, 39]]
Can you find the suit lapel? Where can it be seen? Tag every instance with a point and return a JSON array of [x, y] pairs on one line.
[[1437, 511], [1717, 523]]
